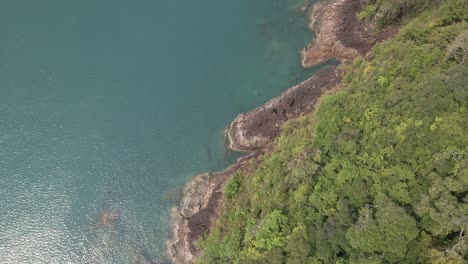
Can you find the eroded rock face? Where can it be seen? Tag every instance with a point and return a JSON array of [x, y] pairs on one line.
[[339, 33], [194, 204], [255, 129], [199, 208]]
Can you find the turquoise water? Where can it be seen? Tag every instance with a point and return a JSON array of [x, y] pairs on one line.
[[108, 107]]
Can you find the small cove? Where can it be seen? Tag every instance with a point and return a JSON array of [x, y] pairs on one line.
[[107, 108]]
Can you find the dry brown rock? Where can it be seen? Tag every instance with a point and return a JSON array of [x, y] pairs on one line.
[[255, 129], [199, 207], [339, 33]]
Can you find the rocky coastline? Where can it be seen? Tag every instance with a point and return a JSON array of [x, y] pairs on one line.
[[199, 207], [256, 129], [202, 197], [339, 32], [340, 35]]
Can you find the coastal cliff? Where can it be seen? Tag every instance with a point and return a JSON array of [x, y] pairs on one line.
[[202, 197], [253, 131], [376, 174]]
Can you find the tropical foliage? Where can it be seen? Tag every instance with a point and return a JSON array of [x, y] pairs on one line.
[[379, 173]]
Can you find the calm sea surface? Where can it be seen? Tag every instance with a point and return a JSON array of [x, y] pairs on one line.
[[108, 107]]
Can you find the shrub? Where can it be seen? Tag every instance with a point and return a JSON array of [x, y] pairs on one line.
[[233, 186]]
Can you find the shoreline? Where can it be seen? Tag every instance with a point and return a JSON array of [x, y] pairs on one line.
[[254, 131], [199, 207], [201, 200], [339, 32]]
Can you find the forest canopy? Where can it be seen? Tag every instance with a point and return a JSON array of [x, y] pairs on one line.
[[379, 173]]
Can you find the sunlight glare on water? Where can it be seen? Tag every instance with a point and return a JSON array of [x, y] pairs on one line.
[[108, 107]]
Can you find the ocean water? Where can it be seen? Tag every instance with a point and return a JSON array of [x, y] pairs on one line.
[[108, 107]]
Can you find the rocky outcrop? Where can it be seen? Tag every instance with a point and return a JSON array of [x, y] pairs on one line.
[[198, 209], [255, 129], [195, 204], [339, 33]]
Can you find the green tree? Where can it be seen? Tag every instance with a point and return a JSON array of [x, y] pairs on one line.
[[388, 232]]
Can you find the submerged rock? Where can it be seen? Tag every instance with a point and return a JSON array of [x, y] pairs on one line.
[[303, 8], [108, 218]]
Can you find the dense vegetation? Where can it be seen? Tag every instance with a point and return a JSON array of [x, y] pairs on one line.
[[379, 174]]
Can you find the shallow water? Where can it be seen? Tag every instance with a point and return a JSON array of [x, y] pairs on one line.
[[108, 107]]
